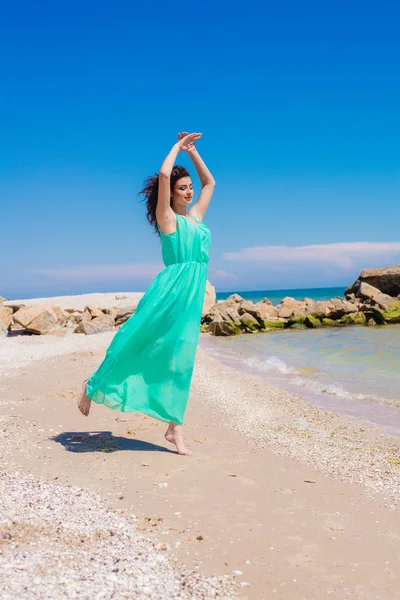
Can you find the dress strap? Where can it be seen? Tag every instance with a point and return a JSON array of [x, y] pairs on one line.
[[193, 217]]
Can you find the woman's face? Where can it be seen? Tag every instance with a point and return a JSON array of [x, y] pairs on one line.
[[183, 192]]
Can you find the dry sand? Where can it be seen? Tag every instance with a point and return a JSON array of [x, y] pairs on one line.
[[107, 300], [287, 499]]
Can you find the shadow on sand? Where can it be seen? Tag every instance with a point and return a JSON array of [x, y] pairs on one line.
[[103, 441]]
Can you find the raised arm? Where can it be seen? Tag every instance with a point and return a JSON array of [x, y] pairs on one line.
[[199, 209], [164, 214]]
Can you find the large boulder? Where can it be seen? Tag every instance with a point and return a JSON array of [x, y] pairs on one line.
[[24, 315], [321, 308], [96, 325], [46, 322], [371, 293], [210, 298], [261, 311], [386, 280], [2, 299], [249, 322], [341, 307], [6, 314], [289, 308], [222, 309], [38, 319], [223, 328]]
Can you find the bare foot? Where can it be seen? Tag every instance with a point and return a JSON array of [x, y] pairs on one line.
[[84, 402], [174, 435]]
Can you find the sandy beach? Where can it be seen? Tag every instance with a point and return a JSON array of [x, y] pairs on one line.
[[280, 497]]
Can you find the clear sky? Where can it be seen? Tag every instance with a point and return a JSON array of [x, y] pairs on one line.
[[298, 103]]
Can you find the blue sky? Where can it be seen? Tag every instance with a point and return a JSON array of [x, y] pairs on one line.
[[298, 105]]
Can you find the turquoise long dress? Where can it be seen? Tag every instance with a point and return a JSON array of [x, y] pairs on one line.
[[149, 364]]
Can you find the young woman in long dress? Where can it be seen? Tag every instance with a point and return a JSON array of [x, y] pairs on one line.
[[149, 364]]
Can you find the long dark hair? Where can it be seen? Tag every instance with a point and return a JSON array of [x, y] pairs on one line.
[[150, 192]]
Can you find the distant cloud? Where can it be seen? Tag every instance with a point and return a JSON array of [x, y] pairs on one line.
[[222, 275], [344, 255], [101, 272]]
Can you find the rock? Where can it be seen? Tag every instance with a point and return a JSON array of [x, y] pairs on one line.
[[266, 301], [234, 298], [112, 311], [2, 299], [386, 280], [224, 310], [223, 319], [6, 317], [122, 314], [93, 311], [97, 325], [210, 298], [392, 313], [289, 308], [15, 307], [353, 299], [326, 322], [341, 307], [24, 315], [75, 317], [46, 322], [86, 315], [249, 321], [354, 319], [278, 324], [260, 311], [245, 306], [319, 309], [39, 319], [312, 322], [372, 312], [62, 316], [223, 328], [228, 313], [368, 292]]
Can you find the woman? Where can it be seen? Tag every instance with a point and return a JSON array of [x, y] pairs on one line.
[[149, 364]]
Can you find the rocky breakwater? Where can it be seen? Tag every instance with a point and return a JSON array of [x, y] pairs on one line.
[[46, 319], [373, 299]]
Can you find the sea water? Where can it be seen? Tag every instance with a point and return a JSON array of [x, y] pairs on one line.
[[354, 370]]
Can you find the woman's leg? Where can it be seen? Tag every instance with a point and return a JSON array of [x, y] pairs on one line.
[[83, 401], [174, 435]]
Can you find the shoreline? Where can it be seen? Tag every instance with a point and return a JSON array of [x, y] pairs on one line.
[[369, 411]]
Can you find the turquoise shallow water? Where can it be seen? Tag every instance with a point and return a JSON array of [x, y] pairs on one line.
[[354, 370]]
